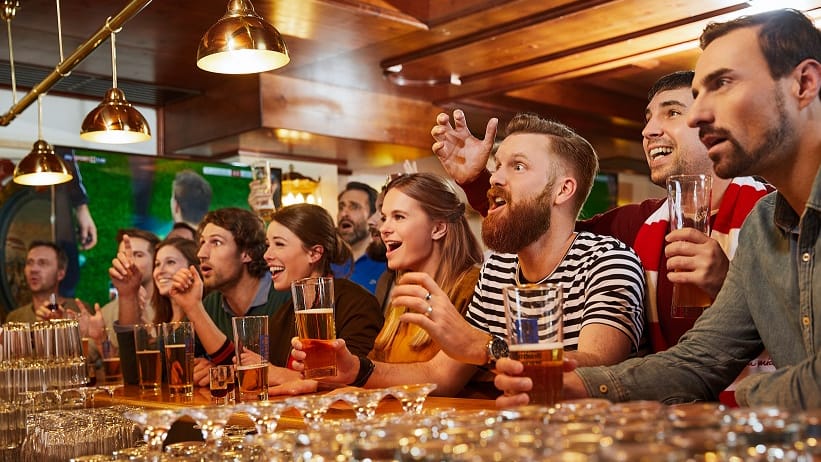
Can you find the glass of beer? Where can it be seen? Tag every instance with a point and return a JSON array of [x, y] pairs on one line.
[[251, 348], [314, 311], [262, 192], [533, 314], [688, 197], [147, 343], [112, 371], [178, 339]]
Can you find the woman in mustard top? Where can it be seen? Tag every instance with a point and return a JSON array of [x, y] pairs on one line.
[[424, 230]]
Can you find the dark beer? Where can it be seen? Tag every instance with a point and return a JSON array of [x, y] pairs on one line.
[[315, 328], [150, 369], [543, 364]]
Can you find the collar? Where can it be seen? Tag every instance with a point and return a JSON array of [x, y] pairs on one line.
[[260, 298], [786, 218]]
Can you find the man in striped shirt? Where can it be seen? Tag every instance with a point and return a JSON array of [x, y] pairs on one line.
[[544, 174]]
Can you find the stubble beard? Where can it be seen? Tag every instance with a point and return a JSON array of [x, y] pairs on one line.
[[521, 226]]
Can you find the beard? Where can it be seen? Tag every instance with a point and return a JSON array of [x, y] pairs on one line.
[[355, 234], [743, 162], [520, 225]]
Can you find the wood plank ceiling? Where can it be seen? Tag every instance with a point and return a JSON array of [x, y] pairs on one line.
[[585, 62]]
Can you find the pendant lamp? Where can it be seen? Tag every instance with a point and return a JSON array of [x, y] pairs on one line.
[[115, 120], [41, 166], [241, 42]]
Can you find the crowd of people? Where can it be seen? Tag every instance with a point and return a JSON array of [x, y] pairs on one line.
[[417, 300]]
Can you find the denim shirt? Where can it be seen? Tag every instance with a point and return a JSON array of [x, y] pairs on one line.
[[771, 298]]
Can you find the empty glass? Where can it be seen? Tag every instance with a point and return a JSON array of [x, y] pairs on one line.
[[212, 421], [265, 414], [364, 402], [155, 425], [412, 397]]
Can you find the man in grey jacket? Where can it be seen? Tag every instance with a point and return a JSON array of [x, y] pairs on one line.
[[758, 111]]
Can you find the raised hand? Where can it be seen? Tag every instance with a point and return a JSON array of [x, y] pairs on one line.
[[124, 273], [462, 155]]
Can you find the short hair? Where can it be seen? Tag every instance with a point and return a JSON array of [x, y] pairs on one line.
[[193, 194], [786, 38], [185, 226], [147, 236], [674, 81], [575, 151], [62, 257], [357, 186], [247, 230], [315, 226]]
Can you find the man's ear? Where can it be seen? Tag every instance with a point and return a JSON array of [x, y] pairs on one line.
[[61, 274], [245, 258], [807, 75], [565, 190], [440, 229]]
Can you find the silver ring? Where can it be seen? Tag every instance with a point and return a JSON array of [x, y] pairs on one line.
[[429, 311], [427, 297]]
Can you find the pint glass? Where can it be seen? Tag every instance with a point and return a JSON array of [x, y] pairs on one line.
[[111, 358], [533, 315], [178, 338], [261, 172], [689, 198], [251, 347], [149, 365], [314, 312]]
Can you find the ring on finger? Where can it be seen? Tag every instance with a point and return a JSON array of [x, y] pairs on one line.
[[428, 311], [427, 297]]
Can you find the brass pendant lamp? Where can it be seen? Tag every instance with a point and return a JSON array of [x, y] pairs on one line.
[[115, 120], [41, 166], [241, 42]]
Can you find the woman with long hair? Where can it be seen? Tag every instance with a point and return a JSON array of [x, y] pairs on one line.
[[425, 230]]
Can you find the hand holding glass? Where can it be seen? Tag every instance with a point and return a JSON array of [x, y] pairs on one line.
[[251, 348], [315, 327]]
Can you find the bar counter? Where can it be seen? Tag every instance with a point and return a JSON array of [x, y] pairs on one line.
[[132, 395]]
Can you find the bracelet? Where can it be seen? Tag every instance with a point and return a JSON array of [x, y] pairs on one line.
[[366, 367]]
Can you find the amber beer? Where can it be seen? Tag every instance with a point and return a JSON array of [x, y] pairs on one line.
[[252, 382], [150, 369], [180, 369], [689, 301], [543, 364], [315, 328], [112, 370]]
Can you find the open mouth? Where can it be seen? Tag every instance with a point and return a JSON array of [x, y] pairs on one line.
[[276, 270], [392, 245], [497, 198], [660, 151], [345, 225]]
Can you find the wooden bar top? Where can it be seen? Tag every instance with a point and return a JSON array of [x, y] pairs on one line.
[[131, 395]]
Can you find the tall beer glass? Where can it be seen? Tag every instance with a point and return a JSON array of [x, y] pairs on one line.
[[689, 198], [149, 365], [179, 357], [534, 334], [251, 347], [314, 310]]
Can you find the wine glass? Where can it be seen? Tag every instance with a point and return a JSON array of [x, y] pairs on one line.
[[412, 397], [155, 424], [110, 388], [212, 421], [313, 408], [364, 402], [265, 414]]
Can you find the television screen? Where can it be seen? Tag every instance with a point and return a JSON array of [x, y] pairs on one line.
[[124, 191]]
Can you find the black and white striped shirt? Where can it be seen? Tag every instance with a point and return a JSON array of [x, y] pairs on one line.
[[602, 282]]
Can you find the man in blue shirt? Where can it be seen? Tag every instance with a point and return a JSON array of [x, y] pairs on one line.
[[356, 203]]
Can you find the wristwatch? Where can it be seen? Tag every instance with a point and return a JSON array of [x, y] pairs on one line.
[[496, 349]]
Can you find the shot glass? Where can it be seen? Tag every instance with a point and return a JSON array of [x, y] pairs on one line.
[[534, 318], [221, 383], [315, 327], [689, 198], [251, 347]]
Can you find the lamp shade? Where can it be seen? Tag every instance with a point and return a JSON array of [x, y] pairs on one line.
[[241, 42], [41, 167], [115, 121]]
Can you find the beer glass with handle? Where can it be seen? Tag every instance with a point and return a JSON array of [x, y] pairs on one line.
[[251, 345], [534, 318], [689, 199], [314, 311]]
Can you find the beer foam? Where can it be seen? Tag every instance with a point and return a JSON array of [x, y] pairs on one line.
[[246, 367], [317, 311], [537, 346]]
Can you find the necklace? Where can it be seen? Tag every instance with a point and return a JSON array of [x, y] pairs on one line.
[[517, 278]]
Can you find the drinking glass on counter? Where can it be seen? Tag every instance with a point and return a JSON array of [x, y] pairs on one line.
[[178, 338], [251, 348], [314, 311], [111, 358], [534, 315], [689, 198], [147, 343], [221, 382]]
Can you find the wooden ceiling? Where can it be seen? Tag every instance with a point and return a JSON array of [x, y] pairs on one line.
[[585, 62]]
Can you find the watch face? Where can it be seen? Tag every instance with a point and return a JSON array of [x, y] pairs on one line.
[[497, 348]]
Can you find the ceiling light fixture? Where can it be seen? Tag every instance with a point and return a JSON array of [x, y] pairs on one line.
[[241, 42], [41, 166], [299, 189], [115, 120]]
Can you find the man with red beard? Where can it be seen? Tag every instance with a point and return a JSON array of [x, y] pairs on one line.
[[544, 173]]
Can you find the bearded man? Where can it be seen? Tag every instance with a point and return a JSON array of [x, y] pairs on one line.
[[544, 173]]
